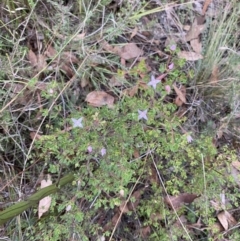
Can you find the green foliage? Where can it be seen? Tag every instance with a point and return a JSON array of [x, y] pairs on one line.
[[119, 131]]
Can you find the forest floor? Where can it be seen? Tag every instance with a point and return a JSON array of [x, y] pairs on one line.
[[134, 105]]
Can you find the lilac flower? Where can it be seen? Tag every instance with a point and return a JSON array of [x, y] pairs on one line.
[[168, 89], [173, 47], [189, 139], [103, 151], [89, 149], [171, 66], [68, 208], [142, 114], [153, 82], [77, 122]]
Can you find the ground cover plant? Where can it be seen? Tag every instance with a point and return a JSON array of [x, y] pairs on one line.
[[119, 120]]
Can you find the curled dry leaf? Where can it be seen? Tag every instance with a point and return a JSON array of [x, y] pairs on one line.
[[226, 220], [214, 75], [196, 28], [175, 202], [69, 57], [190, 56], [236, 164], [50, 51], [130, 51], [99, 98], [134, 32], [45, 203], [41, 64], [181, 95], [35, 135], [32, 58], [196, 45], [145, 231]]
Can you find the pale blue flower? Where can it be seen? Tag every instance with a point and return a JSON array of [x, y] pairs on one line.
[[89, 149], [173, 47], [142, 114], [153, 82], [170, 66], [77, 122], [103, 151], [189, 139]]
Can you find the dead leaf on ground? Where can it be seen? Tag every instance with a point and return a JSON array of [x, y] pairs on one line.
[[124, 207], [190, 56], [15, 88], [196, 45], [214, 75], [196, 28], [130, 51], [130, 91], [45, 203], [116, 81], [226, 220], [181, 95], [41, 64], [69, 57], [235, 173], [35, 135], [145, 231], [79, 37], [134, 32], [32, 57], [236, 164], [50, 51], [112, 223], [176, 202], [205, 6], [99, 98], [137, 194]]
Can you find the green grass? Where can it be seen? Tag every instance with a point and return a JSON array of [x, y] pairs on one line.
[[115, 195]]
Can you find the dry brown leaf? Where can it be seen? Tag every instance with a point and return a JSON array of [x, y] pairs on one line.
[[106, 46], [41, 62], [124, 207], [196, 45], [137, 194], [79, 37], [145, 231], [175, 202], [235, 174], [14, 87], [156, 217], [45, 203], [131, 91], [32, 58], [205, 6], [100, 98], [69, 57], [223, 220], [35, 135], [136, 153], [181, 95], [50, 51], [214, 75], [196, 28], [236, 164], [116, 81], [143, 84], [67, 70], [134, 32], [190, 56], [130, 51]]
